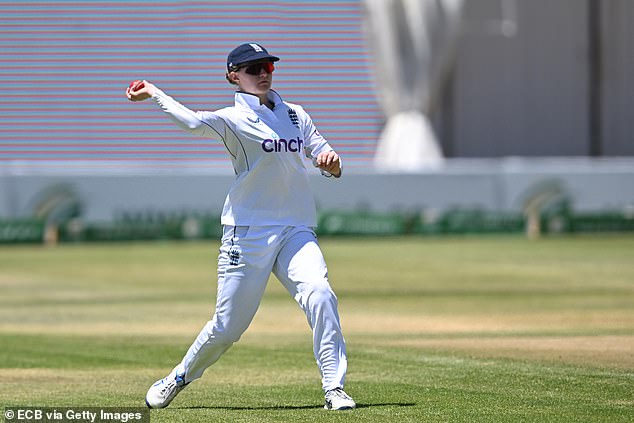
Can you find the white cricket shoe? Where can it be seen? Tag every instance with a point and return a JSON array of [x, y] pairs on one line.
[[165, 390], [337, 399]]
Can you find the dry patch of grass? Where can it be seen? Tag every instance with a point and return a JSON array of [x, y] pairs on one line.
[[491, 322], [595, 351]]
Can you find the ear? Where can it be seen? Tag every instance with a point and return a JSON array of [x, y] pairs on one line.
[[233, 76]]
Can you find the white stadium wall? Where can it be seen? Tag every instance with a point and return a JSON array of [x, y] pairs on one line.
[[495, 185]]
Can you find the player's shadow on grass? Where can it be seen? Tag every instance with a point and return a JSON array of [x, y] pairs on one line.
[[387, 404], [290, 407]]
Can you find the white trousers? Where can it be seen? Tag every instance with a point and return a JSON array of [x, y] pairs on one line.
[[247, 257]]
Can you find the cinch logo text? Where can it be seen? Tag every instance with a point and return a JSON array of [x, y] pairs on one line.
[[282, 145]]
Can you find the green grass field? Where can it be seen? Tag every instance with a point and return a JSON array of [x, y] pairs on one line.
[[473, 329]]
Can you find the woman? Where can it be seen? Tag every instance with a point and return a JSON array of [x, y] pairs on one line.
[[268, 220]]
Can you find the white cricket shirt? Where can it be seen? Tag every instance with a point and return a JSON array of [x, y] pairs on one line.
[[267, 149]]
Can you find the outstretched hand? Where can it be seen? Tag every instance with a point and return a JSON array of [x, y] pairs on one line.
[[329, 161], [140, 90]]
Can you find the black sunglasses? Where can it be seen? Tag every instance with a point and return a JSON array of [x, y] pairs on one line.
[[256, 68]]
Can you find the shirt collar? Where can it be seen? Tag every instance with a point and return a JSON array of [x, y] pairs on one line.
[[251, 101]]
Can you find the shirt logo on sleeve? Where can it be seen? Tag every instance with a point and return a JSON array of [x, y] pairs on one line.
[[256, 120], [292, 115]]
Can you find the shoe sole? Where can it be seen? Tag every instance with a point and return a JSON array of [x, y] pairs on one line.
[[338, 409]]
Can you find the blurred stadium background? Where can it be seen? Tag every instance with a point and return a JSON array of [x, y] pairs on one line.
[[517, 114]]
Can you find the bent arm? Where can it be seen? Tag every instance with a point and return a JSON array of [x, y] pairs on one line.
[[318, 149]]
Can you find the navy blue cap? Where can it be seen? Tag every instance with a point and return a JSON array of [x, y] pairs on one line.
[[248, 52]]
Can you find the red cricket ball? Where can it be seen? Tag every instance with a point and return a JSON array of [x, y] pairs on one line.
[[136, 85]]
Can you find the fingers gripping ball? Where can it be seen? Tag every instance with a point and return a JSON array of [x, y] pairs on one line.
[[136, 85], [139, 90]]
